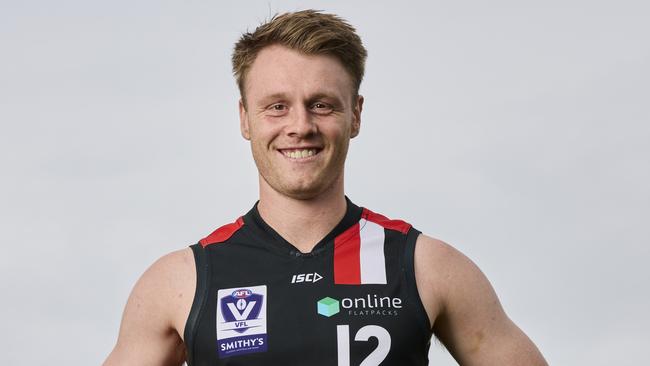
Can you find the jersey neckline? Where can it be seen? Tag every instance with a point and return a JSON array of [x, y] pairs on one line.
[[266, 234]]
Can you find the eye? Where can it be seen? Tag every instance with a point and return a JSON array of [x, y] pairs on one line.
[[277, 109], [322, 108]]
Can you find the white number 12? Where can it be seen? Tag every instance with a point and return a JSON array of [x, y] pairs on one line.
[[375, 357]]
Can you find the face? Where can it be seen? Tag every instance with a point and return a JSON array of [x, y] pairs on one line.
[[299, 115]]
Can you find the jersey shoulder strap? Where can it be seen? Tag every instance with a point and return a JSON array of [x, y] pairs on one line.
[[200, 296], [411, 282]]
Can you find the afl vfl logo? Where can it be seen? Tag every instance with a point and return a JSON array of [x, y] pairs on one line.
[[241, 321], [242, 294]]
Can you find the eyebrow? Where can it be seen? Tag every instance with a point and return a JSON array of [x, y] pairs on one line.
[[275, 96], [322, 96]]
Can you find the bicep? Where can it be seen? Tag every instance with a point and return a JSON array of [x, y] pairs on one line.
[[471, 322], [148, 335]]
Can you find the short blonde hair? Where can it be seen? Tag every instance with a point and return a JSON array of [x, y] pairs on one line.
[[309, 31]]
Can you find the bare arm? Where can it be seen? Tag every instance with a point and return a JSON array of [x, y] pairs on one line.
[[465, 311], [154, 317]]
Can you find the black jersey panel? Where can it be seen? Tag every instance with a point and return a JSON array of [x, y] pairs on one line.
[[265, 304]]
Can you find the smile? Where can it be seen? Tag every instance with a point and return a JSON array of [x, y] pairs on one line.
[[299, 153]]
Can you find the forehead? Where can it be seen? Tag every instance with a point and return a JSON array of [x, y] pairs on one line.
[[281, 70]]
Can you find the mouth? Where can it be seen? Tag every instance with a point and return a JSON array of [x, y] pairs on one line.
[[300, 153]]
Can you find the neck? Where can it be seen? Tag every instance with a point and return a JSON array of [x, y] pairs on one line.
[[302, 222]]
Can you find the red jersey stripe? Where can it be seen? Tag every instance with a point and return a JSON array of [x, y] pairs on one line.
[[223, 233], [398, 225], [347, 270]]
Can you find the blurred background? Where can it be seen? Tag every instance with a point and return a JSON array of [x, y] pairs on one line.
[[516, 131]]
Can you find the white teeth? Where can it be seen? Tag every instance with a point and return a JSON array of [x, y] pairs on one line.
[[298, 154]]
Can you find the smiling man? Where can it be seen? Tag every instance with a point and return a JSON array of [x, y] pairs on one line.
[[307, 277]]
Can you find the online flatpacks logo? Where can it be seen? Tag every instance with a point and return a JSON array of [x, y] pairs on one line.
[[370, 305], [241, 320], [328, 306]]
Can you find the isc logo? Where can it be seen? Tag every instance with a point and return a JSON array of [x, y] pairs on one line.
[[306, 277]]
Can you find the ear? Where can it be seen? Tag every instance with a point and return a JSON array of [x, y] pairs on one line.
[[243, 120], [356, 116]]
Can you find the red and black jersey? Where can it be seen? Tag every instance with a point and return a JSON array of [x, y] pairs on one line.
[[351, 301]]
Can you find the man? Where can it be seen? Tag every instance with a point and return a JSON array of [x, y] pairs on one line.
[[307, 277]]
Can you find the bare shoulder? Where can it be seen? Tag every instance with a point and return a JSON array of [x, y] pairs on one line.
[[168, 286], [169, 271], [465, 311], [449, 282], [438, 268], [151, 331]]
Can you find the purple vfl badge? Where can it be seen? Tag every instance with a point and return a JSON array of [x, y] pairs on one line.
[[241, 321]]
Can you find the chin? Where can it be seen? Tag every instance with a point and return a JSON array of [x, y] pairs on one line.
[[303, 193], [303, 188], [306, 189]]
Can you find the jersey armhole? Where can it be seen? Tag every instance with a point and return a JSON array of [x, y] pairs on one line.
[[421, 313], [200, 297]]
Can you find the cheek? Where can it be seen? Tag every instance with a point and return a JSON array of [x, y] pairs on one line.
[[261, 136], [340, 146], [259, 150], [339, 135]]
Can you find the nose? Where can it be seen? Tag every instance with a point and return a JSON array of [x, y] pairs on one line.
[[301, 123]]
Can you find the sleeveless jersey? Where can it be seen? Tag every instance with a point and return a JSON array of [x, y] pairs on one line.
[[351, 301]]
